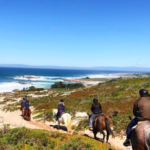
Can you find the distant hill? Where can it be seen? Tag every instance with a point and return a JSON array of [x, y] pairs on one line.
[[132, 69]]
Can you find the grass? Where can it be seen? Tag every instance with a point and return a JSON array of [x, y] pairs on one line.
[[28, 139]]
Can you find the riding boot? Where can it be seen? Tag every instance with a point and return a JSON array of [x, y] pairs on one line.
[[127, 142]]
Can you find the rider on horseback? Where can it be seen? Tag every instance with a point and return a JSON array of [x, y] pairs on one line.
[[27, 104], [96, 109], [141, 111], [61, 109], [23, 101]]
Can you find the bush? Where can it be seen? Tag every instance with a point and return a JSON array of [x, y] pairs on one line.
[[32, 88], [67, 86]]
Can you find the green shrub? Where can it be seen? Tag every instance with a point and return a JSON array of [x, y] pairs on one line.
[[32, 88], [67, 86]]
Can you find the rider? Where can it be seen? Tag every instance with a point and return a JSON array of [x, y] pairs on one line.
[[23, 101], [26, 98], [141, 111], [96, 109], [27, 104], [61, 109]]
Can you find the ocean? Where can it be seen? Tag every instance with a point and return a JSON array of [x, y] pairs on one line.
[[13, 78]]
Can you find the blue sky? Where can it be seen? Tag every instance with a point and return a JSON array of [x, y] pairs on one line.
[[75, 32]]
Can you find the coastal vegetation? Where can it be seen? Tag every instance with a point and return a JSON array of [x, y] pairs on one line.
[[67, 86], [32, 88], [29, 139]]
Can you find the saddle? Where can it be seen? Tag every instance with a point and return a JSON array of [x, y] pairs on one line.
[[134, 127], [61, 115], [95, 119]]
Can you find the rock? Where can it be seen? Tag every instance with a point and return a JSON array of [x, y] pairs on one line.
[[16, 90], [31, 77], [81, 115]]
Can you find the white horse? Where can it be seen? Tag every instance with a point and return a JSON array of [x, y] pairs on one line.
[[64, 119]]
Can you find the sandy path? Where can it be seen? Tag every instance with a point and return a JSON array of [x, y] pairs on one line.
[[116, 142], [16, 120]]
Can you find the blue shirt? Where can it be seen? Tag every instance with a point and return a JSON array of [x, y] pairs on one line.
[[27, 105]]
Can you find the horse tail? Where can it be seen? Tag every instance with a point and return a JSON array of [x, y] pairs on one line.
[[69, 123], [108, 129], [147, 139]]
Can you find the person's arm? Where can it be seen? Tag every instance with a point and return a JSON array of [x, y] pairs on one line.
[[92, 108], [58, 107], [135, 109], [64, 108], [100, 107]]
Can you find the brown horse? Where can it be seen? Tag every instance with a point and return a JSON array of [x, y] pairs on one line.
[[22, 107], [140, 136], [27, 114], [101, 123]]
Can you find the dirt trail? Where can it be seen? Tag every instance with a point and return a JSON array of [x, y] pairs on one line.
[[116, 142], [15, 119]]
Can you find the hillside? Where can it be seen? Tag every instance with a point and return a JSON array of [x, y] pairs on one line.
[[116, 96]]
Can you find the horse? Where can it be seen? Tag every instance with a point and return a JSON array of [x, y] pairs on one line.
[[101, 123], [140, 136], [65, 118], [27, 114], [22, 107]]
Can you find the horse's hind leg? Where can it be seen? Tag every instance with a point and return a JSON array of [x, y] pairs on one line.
[[95, 132], [58, 125], [107, 137], [103, 136]]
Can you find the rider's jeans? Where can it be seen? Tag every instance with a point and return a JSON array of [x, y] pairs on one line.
[[129, 128], [91, 120]]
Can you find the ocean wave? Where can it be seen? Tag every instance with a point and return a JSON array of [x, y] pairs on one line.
[[41, 78], [10, 86], [104, 76]]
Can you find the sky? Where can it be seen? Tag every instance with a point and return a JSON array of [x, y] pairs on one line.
[[81, 33]]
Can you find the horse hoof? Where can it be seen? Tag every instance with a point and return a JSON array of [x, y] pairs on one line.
[[107, 143]]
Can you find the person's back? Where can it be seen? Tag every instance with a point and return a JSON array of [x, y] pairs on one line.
[[23, 101], [61, 109], [27, 105], [96, 109], [141, 109]]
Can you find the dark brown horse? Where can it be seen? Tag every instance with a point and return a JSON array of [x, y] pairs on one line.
[[27, 114], [22, 107], [140, 136], [101, 123]]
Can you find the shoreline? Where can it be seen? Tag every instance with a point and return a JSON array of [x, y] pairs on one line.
[[104, 79], [89, 80]]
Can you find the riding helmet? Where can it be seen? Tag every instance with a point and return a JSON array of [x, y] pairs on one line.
[[61, 100], [143, 93], [95, 100]]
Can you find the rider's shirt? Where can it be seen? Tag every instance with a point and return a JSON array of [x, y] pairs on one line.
[[27, 105], [61, 108], [96, 109], [141, 109], [23, 102]]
